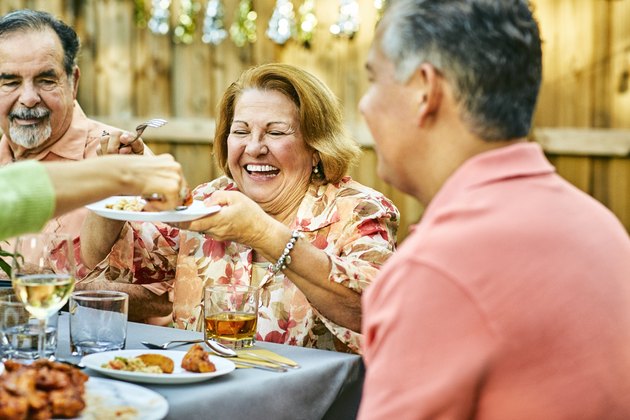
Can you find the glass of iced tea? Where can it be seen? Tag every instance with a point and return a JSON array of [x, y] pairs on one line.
[[231, 314]]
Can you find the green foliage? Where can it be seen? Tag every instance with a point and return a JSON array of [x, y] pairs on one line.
[[4, 265]]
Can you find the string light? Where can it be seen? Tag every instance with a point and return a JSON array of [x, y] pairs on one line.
[[282, 23], [348, 23], [184, 32], [307, 22], [243, 30], [160, 14], [140, 13], [380, 6], [213, 27]]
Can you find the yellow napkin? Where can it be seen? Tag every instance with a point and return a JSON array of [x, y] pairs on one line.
[[245, 355]]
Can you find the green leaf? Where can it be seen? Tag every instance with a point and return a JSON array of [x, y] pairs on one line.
[[5, 267]]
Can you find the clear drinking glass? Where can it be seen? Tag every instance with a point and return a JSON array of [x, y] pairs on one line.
[[19, 330], [43, 276], [231, 314], [98, 321]]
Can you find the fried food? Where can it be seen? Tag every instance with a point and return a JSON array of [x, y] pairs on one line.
[[41, 390], [197, 360], [127, 204], [187, 197], [132, 364], [164, 363]]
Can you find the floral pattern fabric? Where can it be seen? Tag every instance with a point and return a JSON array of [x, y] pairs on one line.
[[355, 225]]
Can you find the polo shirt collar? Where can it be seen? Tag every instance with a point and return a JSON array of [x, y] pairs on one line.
[[517, 160]]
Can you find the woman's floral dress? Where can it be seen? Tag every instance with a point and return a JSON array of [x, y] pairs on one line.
[[354, 224]]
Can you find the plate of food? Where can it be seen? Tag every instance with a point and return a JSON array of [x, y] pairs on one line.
[[131, 208], [45, 389], [109, 399], [174, 367]]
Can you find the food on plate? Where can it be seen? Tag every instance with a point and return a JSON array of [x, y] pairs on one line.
[[137, 364], [41, 390], [188, 197], [165, 363], [127, 204], [99, 408], [197, 360], [138, 204]]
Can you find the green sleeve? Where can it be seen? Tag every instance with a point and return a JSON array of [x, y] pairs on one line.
[[27, 198]]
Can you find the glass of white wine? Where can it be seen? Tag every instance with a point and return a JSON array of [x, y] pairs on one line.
[[42, 274]]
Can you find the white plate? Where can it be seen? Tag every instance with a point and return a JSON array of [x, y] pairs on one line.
[[195, 211], [179, 376], [106, 398]]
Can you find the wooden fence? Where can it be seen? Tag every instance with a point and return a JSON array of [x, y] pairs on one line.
[[129, 73]]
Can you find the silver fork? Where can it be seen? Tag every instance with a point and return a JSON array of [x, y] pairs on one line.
[[155, 123]]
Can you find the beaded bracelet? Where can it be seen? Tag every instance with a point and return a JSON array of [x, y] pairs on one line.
[[285, 258]]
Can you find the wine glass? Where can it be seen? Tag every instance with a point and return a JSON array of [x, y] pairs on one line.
[[42, 274]]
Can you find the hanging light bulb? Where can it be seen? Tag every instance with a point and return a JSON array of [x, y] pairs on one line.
[[213, 28], [282, 23], [306, 23], [158, 24], [184, 32], [348, 22], [243, 30]]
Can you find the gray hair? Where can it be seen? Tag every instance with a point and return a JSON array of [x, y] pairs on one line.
[[35, 20], [489, 50]]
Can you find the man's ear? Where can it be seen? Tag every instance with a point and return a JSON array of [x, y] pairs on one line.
[[427, 82], [76, 74]]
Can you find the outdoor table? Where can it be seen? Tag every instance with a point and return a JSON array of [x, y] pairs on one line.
[[327, 386]]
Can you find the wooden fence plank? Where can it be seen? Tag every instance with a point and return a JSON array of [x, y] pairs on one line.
[[619, 188], [196, 159], [113, 61], [575, 169], [588, 142]]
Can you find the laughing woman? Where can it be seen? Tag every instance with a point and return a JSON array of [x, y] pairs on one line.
[[292, 222]]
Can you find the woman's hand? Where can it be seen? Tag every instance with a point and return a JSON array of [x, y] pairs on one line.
[[240, 220]]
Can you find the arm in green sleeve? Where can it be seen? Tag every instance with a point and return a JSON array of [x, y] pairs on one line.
[[27, 198]]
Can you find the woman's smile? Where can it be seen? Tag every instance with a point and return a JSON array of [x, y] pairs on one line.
[[264, 171]]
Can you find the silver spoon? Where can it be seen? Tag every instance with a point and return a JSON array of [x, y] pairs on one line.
[[224, 351], [171, 343]]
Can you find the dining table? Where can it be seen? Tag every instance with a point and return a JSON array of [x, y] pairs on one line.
[[327, 385]]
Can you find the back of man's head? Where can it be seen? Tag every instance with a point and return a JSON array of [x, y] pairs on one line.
[[488, 50], [33, 20]]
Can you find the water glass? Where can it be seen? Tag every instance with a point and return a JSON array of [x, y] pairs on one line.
[[20, 331], [231, 314], [98, 321]]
